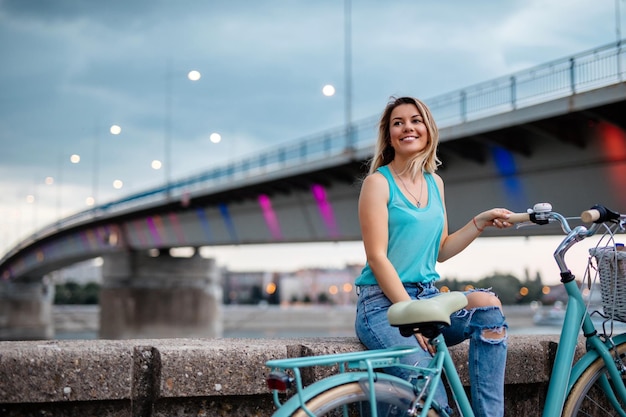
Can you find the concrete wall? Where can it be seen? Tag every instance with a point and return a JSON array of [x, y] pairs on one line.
[[202, 377]]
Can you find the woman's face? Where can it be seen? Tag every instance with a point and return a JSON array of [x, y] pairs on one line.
[[407, 130]]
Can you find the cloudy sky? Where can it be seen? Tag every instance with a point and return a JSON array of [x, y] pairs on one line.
[[72, 68]]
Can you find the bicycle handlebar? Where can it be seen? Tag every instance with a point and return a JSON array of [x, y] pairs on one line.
[[542, 214], [518, 218]]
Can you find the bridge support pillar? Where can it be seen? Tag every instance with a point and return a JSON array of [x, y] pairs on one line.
[[26, 310], [146, 297]]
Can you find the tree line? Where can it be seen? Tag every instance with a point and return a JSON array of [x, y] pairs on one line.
[[74, 293]]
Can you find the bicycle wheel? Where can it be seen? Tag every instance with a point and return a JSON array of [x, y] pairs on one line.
[[586, 397], [351, 400]]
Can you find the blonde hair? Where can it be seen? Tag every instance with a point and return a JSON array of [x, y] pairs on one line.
[[383, 152]]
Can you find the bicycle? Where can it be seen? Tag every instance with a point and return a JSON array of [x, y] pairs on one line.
[[592, 385]]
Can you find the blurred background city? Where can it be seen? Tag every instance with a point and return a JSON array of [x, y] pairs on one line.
[[308, 302]]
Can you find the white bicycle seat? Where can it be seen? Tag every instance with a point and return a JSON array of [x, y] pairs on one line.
[[430, 310]]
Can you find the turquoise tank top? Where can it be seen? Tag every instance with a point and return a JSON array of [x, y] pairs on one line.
[[414, 234]]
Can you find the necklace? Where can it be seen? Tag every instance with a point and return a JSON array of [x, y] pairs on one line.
[[417, 200]]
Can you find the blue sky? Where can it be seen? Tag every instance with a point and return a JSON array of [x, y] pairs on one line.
[[71, 69]]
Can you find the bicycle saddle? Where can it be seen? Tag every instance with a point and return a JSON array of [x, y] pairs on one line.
[[414, 316]]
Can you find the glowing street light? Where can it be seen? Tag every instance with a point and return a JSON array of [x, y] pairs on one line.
[[328, 90], [194, 75], [115, 129], [215, 137]]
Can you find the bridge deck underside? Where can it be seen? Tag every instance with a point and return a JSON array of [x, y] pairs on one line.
[[571, 153]]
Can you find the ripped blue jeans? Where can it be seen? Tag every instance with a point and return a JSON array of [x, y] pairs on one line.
[[487, 356]]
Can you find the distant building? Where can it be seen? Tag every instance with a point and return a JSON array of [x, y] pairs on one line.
[[316, 285], [245, 287], [319, 285]]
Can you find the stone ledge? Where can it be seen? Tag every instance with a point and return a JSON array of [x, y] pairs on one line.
[[58, 371], [529, 358]]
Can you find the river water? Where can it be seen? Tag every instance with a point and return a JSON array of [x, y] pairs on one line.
[[82, 322]]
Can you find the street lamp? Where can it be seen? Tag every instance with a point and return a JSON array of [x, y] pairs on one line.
[[618, 22], [348, 71], [31, 200], [193, 75], [114, 130], [329, 90], [74, 159], [93, 198], [618, 35]]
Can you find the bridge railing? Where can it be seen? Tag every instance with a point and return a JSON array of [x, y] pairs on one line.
[[582, 72], [585, 71]]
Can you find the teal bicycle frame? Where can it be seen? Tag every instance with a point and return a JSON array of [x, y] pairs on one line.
[[563, 375], [366, 363]]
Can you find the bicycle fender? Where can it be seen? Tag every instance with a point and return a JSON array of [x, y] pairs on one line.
[[313, 390], [587, 359]]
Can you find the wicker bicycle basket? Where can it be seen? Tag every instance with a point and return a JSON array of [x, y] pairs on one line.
[[612, 272]]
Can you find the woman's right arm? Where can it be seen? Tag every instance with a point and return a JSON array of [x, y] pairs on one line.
[[373, 217]]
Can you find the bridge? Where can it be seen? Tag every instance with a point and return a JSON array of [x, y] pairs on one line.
[[553, 133]]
